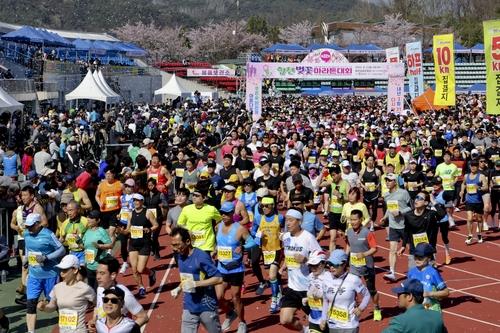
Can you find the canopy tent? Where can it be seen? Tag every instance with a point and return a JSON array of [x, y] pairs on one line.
[[8, 103], [335, 47], [458, 48], [32, 35], [173, 87], [101, 47], [134, 50], [364, 49], [101, 82], [90, 89], [285, 48], [424, 102], [477, 49]]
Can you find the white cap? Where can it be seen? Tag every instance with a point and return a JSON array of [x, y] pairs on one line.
[[316, 257], [262, 192], [292, 152], [392, 145], [474, 152], [345, 163], [258, 144], [69, 261], [137, 196], [147, 141], [229, 188], [32, 218], [294, 213]]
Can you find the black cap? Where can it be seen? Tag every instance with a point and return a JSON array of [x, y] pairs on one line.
[[95, 214], [437, 181], [335, 169], [117, 291]]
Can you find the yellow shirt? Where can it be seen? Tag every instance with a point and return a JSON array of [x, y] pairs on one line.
[[348, 208], [199, 222], [73, 232]]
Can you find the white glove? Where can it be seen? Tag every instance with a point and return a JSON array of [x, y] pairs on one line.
[[189, 286], [314, 292], [175, 292]]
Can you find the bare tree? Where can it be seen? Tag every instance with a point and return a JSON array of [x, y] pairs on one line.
[[298, 33]]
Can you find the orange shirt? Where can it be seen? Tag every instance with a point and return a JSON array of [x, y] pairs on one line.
[[109, 194]]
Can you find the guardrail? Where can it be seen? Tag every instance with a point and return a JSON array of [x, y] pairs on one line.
[[65, 68], [18, 85]]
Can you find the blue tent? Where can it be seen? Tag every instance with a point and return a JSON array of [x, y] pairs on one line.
[[134, 50], [478, 88], [285, 48], [477, 49], [459, 48], [335, 47], [32, 35], [364, 49]]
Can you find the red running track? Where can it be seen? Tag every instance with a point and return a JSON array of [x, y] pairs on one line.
[[473, 278]]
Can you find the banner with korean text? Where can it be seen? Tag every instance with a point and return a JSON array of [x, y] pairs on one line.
[[444, 69], [202, 72], [492, 60], [415, 72], [395, 88], [392, 54]]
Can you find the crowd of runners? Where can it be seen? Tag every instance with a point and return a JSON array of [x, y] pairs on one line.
[[239, 197]]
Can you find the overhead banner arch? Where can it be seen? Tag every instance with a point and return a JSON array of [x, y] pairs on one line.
[[258, 71]]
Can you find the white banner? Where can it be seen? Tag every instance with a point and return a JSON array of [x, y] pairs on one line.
[[415, 70], [396, 88], [392, 54], [201, 72]]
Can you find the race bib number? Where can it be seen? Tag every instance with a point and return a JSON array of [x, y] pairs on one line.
[[412, 186], [336, 202], [136, 232], [339, 315], [494, 158], [269, 257], [124, 215], [186, 277], [370, 187], [420, 238], [447, 180], [429, 189], [291, 262], [315, 303], [392, 205], [355, 261], [89, 256], [497, 180], [224, 253], [32, 258], [71, 241], [198, 238], [111, 202], [438, 152], [179, 172], [68, 319], [311, 159], [471, 188]]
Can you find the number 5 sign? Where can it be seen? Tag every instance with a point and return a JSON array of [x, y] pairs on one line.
[[444, 69], [492, 59]]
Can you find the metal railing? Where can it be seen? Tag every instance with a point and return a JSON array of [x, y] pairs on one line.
[[18, 85], [65, 68]]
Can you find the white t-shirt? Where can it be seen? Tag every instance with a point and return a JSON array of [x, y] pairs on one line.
[[340, 314], [124, 326], [316, 304], [131, 304], [302, 244]]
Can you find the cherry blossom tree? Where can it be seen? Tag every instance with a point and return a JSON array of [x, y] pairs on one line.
[[396, 31], [298, 33]]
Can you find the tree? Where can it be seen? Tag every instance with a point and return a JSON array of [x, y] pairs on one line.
[[396, 31], [257, 25], [298, 33]]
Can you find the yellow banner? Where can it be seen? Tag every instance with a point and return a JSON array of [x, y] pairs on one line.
[[492, 59], [444, 69]]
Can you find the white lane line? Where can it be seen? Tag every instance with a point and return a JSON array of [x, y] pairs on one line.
[[158, 291], [472, 254], [452, 313], [465, 236], [474, 287], [454, 268]]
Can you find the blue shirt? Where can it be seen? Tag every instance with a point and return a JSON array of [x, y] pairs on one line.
[[311, 223], [431, 280], [45, 242], [198, 266]]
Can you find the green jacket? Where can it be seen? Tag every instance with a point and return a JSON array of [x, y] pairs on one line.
[[417, 320]]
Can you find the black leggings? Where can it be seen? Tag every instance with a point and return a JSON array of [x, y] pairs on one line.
[[155, 245], [255, 254], [372, 206], [123, 246], [495, 202], [442, 227]]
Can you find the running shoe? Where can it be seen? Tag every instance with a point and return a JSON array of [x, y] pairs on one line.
[[124, 268], [390, 276], [377, 315], [261, 288], [468, 241], [230, 317], [152, 277], [242, 328], [479, 239], [142, 292], [486, 226], [451, 222], [275, 306], [448, 260]]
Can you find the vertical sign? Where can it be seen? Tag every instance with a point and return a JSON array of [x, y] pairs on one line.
[[415, 71], [492, 59], [444, 69], [395, 88], [392, 54]]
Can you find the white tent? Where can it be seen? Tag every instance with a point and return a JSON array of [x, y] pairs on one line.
[[90, 89], [9, 103], [101, 82], [173, 87]]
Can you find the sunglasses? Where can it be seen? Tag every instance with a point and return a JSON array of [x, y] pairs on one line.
[[196, 195], [314, 266], [113, 300], [128, 185], [419, 198], [330, 265], [267, 206], [389, 180]]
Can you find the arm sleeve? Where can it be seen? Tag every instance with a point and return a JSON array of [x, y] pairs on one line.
[[59, 252], [361, 289]]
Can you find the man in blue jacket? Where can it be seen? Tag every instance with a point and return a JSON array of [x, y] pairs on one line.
[[416, 319]]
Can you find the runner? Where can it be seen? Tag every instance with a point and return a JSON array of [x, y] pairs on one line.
[[474, 185], [159, 173], [240, 213], [397, 201], [79, 195], [298, 244], [361, 246], [115, 320], [43, 250], [370, 183], [448, 173], [126, 208], [108, 198], [341, 311], [72, 231], [70, 297], [316, 264], [154, 204], [354, 203], [310, 221], [414, 180], [443, 225], [198, 276], [495, 193], [142, 223], [266, 230], [181, 199]]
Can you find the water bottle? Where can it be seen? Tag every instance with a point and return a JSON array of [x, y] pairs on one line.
[[3, 276]]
